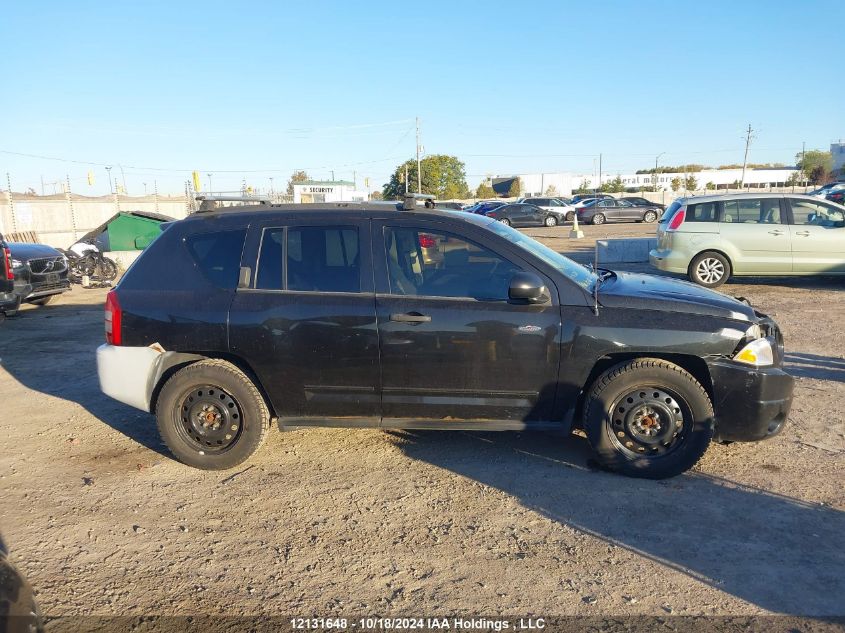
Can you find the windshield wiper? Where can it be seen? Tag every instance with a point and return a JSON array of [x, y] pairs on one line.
[[601, 275]]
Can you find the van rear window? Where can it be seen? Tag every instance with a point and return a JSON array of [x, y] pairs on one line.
[[703, 212], [677, 204]]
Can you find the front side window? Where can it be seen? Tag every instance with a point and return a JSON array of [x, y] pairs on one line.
[[812, 213], [218, 256], [752, 211], [312, 258], [436, 264]]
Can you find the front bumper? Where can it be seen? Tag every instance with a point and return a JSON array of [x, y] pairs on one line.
[[750, 403]]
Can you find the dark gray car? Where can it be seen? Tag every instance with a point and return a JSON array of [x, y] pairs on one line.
[[613, 210], [521, 214]]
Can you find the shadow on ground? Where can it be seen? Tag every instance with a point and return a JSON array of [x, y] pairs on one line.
[[803, 365], [778, 553]]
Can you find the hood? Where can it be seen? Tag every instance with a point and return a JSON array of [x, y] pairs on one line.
[[25, 252], [650, 292]]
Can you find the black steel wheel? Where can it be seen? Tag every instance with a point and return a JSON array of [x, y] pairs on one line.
[[648, 418], [599, 218], [211, 415]]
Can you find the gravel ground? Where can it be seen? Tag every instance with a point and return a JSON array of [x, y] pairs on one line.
[[336, 521]]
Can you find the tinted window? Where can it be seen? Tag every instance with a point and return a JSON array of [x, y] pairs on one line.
[[218, 256], [270, 275], [677, 204], [812, 213], [752, 211], [323, 259], [430, 263], [703, 212]]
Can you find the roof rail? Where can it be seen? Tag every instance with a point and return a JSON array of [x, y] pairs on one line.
[[209, 202]]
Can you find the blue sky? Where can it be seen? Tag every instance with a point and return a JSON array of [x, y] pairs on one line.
[[255, 90]]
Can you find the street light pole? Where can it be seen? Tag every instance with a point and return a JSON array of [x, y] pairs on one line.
[[656, 158], [108, 171], [209, 182]]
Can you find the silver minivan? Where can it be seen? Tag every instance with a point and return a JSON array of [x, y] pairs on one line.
[[712, 238]]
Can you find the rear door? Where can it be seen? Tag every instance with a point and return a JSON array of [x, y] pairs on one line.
[[453, 347], [817, 230], [306, 322], [627, 211], [756, 228]]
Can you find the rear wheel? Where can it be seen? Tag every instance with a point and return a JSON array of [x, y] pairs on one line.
[[550, 221], [107, 269], [211, 415], [709, 269], [648, 418], [599, 218], [570, 216], [649, 216], [505, 221]]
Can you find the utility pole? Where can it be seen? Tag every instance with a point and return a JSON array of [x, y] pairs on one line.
[[419, 172], [108, 171], [406, 178], [599, 189], [656, 158], [749, 135], [209, 183], [803, 157]]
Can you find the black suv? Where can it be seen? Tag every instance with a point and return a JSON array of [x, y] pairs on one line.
[[368, 315]]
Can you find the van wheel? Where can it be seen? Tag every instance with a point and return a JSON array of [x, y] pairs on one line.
[[599, 218], [709, 269], [211, 415], [550, 221], [649, 216], [648, 418]]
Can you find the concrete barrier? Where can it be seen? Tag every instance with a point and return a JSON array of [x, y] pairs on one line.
[[625, 250]]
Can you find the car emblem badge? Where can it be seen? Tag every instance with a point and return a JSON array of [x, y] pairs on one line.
[[529, 329]]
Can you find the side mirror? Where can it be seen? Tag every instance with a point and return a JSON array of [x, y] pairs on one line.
[[527, 287]]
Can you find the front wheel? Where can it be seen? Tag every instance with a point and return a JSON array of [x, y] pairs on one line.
[[599, 218], [211, 415], [570, 216], [648, 418], [505, 221], [709, 269], [550, 221], [649, 216]]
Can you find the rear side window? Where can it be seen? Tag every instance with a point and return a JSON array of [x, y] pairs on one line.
[[703, 212], [677, 204], [312, 259], [752, 211], [218, 256]]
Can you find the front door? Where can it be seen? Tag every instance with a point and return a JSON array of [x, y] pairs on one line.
[[453, 347], [757, 230], [306, 323], [818, 237]]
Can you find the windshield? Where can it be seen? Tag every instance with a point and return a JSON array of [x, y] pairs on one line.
[[574, 271]]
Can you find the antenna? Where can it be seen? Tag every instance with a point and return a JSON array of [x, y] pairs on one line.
[[749, 136], [598, 280]]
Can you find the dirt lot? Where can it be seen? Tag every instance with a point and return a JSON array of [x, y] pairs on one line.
[[363, 522]]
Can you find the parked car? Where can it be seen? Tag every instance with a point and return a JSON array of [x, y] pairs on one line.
[[19, 611], [9, 301], [41, 272], [519, 214], [836, 196], [454, 206], [642, 202], [581, 197], [604, 210], [235, 317], [482, 207], [824, 190], [561, 207], [712, 238]]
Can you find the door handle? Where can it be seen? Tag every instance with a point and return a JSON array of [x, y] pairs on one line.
[[803, 233], [410, 317], [776, 232]]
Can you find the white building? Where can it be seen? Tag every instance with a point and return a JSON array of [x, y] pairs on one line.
[[837, 150], [327, 191], [565, 183]]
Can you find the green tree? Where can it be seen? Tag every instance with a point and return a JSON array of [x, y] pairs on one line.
[[297, 177], [485, 190], [584, 187], [710, 186], [551, 191], [442, 175], [516, 188], [691, 183], [795, 178], [675, 183], [816, 165]]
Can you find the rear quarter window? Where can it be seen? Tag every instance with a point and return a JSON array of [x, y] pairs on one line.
[[703, 212], [218, 256]]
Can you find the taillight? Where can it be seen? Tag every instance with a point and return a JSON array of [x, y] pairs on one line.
[[7, 257], [426, 241], [677, 219], [113, 319]]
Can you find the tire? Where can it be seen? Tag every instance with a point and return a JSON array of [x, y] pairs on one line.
[[86, 265], [598, 218], [43, 301], [550, 221], [220, 395], [709, 269], [570, 216], [505, 221], [108, 269], [649, 216], [648, 418]]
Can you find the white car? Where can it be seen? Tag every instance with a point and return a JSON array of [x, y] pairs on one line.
[[556, 205]]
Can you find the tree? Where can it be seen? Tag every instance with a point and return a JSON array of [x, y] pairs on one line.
[[297, 177], [584, 187], [551, 191], [675, 183], [710, 186], [442, 176], [614, 186], [816, 165], [691, 183], [375, 195], [516, 188], [795, 178], [485, 190]]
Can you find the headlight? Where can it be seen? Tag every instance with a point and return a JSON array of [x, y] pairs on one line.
[[758, 353], [16, 263]]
